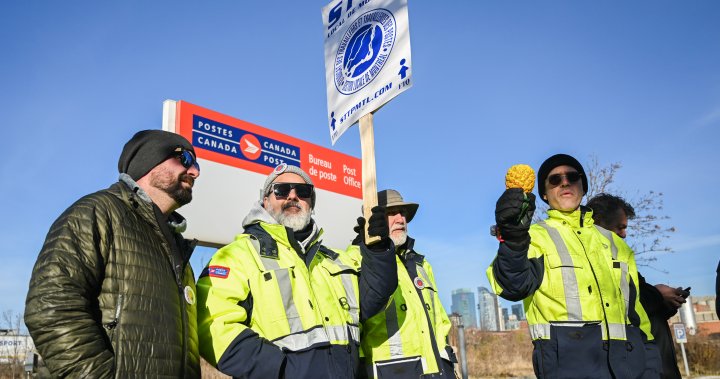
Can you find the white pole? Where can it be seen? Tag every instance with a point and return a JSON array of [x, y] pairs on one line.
[[687, 370]]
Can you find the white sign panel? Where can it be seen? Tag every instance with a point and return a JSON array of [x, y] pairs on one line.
[[235, 159], [367, 58], [680, 335]]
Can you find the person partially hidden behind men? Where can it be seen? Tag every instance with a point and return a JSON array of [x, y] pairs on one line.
[[660, 301], [112, 294]]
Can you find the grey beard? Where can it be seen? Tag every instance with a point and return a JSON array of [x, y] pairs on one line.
[[296, 222], [399, 240]]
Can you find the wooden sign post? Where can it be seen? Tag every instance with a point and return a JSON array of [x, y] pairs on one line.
[[370, 199]]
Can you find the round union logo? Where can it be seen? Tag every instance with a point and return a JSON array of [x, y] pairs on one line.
[[363, 50], [250, 147], [419, 283]]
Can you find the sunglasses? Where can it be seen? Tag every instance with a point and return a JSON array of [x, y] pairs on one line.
[[571, 177], [187, 159], [301, 189]]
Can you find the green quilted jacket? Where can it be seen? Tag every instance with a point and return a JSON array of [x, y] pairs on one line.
[[109, 296]]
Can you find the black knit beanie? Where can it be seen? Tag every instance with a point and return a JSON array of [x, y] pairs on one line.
[[559, 160], [147, 149]]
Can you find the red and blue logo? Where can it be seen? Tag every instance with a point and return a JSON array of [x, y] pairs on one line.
[[218, 272], [250, 147], [237, 143]]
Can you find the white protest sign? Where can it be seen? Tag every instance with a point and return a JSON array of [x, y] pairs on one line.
[[367, 58]]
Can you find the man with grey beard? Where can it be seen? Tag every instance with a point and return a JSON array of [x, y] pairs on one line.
[[409, 338], [276, 303]]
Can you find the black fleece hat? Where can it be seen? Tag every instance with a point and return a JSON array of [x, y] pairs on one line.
[[559, 160], [147, 149]]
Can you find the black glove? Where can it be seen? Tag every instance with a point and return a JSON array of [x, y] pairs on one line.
[[513, 215], [378, 228]]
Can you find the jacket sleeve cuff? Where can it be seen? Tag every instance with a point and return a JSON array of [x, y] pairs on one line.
[[251, 356]]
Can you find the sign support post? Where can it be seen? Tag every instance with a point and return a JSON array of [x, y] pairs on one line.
[[370, 200], [681, 338]]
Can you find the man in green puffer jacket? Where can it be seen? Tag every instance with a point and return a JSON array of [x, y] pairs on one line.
[[112, 293]]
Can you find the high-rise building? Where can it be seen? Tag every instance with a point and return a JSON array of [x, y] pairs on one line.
[[517, 310], [489, 312], [463, 303]]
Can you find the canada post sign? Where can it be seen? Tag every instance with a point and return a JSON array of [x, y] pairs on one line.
[[229, 141], [367, 58], [223, 139]]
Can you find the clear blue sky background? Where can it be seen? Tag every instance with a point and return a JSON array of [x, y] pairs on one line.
[[496, 83]]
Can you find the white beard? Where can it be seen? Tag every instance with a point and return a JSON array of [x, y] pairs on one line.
[[296, 221], [399, 240]]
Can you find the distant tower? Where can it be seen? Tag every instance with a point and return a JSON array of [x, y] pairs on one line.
[[463, 303], [488, 308], [517, 310]]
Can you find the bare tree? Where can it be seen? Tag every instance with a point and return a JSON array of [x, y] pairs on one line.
[[13, 345], [648, 231]]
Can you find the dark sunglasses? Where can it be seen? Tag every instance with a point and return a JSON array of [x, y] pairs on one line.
[[571, 177], [187, 159], [301, 189]]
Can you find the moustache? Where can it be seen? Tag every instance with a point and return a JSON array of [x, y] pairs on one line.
[[187, 179], [291, 204]]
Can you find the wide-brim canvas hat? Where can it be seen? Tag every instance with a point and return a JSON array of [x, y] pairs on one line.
[[392, 199]]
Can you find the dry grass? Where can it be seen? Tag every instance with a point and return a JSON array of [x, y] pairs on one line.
[[703, 355], [509, 354], [498, 354]]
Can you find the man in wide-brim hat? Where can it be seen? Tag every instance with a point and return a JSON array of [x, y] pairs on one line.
[[409, 338]]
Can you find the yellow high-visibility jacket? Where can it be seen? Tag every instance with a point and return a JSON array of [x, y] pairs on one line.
[[409, 338], [579, 286]]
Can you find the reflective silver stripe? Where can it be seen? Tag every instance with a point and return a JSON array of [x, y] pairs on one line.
[[542, 331], [291, 313], [570, 285], [617, 331], [393, 331], [608, 235], [269, 263], [354, 308], [340, 333], [624, 285], [444, 354], [539, 331], [298, 341]]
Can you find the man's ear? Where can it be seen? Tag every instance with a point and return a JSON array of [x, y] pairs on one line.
[[265, 202]]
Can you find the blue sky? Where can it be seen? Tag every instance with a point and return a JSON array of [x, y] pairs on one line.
[[496, 83]]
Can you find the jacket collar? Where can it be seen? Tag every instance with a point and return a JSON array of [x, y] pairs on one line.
[[579, 218], [137, 197], [406, 251], [280, 234]]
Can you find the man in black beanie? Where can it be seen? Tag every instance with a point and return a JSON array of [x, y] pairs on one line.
[[578, 282], [112, 293]]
